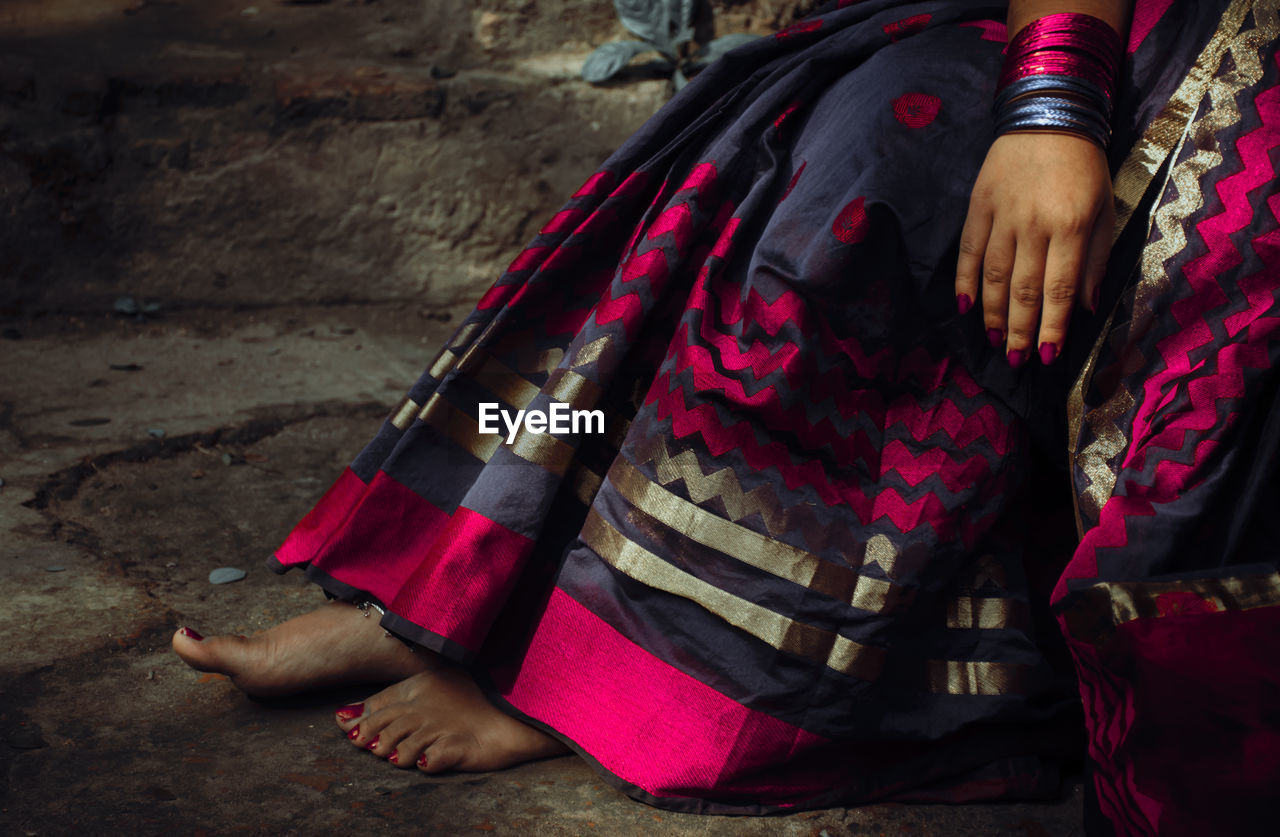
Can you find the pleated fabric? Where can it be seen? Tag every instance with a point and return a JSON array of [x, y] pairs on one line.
[[791, 537]]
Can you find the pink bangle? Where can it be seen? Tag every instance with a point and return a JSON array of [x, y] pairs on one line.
[[1065, 44]]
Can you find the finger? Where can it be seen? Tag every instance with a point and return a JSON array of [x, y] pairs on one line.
[[997, 267], [1063, 265], [1025, 298], [973, 244], [1096, 259]]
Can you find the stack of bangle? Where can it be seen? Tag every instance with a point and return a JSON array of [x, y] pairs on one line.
[[1060, 75]]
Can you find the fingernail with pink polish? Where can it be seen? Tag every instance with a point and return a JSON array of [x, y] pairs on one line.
[[372, 744], [394, 758], [422, 760], [963, 303], [355, 733], [995, 337], [1048, 352], [1017, 357], [192, 634], [351, 711]]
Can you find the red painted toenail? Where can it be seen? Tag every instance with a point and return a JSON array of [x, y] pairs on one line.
[[394, 758], [354, 734], [372, 744], [192, 634], [422, 760], [350, 712]]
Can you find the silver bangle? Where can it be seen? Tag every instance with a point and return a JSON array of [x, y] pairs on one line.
[[1052, 113], [1054, 84]]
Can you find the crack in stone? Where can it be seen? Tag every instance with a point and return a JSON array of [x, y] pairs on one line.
[[65, 484]]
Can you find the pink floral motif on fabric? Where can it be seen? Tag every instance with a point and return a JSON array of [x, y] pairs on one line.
[[851, 224], [916, 110], [907, 26]]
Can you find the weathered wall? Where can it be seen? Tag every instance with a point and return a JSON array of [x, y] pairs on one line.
[[240, 154]]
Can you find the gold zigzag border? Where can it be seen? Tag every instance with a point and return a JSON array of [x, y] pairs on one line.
[[1157, 143]]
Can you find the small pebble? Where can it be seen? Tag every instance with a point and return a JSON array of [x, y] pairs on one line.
[[225, 575], [151, 308], [55, 569], [155, 432], [126, 305], [27, 739]]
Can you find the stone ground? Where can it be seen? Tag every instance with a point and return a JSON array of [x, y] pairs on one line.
[[306, 195]]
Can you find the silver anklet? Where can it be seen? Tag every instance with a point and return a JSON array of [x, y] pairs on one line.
[[364, 607]]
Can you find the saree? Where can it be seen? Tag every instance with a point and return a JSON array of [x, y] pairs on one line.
[[813, 542]]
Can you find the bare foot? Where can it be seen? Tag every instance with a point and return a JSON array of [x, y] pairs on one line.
[[440, 720], [332, 645]]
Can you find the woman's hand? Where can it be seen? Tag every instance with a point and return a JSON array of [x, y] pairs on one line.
[[1037, 236]]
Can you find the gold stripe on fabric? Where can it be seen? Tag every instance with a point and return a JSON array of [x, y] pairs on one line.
[[747, 546], [506, 383], [1167, 128], [402, 416], [543, 450], [723, 485], [990, 571], [460, 428], [584, 483], [1171, 128], [591, 352], [573, 389], [442, 364], [831, 649], [882, 553], [540, 362], [974, 677], [516, 346], [1109, 441], [985, 613], [1141, 600], [465, 335]]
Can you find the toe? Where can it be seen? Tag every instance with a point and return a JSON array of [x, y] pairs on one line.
[[349, 716], [394, 737], [410, 748], [217, 654], [445, 753], [365, 732]]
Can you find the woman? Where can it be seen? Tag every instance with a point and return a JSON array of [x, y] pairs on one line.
[[808, 561]]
